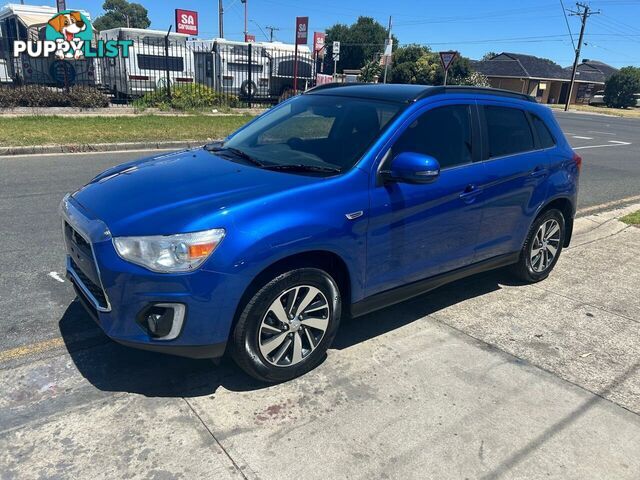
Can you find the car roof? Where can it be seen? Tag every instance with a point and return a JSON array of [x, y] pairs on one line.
[[406, 93]]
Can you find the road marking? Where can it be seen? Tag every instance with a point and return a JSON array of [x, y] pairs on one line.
[[609, 205], [582, 138], [603, 133], [619, 142], [56, 276], [622, 144], [32, 349]]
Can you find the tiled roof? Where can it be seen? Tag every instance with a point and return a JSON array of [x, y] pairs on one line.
[[594, 71], [522, 66]]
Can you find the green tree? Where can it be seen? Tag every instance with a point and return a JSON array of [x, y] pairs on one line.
[[360, 43], [621, 86], [121, 13], [371, 71], [489, 55], [418, 64]]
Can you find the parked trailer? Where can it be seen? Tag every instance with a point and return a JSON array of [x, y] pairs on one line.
[[28, 23], [224, 66], [149, 62]]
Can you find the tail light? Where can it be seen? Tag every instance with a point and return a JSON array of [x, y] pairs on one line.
[[578, 160]]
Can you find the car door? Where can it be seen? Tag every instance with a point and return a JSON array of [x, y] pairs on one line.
[[420, 230], [516, 168]]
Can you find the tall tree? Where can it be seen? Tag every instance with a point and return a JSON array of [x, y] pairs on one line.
[[121, 13], [619, 90], [360, 43]]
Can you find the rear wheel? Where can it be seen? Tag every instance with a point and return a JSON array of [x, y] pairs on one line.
[[542, 248], [286, 328]]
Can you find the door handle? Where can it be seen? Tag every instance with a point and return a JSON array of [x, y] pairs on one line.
[[470, 192], [539, 171]]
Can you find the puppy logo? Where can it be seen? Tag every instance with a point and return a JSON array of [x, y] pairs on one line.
[[69, 29]]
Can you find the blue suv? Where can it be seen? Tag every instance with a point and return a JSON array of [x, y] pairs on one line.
[[340, 201]]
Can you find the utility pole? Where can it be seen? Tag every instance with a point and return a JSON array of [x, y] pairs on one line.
[[271, 30], [246, 28], [220, 19], [586, 13], [387, 59]]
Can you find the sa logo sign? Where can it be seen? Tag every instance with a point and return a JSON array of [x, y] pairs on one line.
[[187, 22]]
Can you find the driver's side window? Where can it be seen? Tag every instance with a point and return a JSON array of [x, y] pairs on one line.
[[444, 133]]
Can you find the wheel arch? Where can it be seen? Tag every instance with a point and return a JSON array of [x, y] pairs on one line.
[[567, 208], [325, 260]]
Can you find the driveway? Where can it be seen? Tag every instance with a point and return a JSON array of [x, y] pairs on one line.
[[483, 378]]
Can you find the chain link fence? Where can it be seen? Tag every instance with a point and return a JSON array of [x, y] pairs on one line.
[[161, 71]]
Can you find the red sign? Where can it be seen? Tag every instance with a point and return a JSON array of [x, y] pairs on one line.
[[187, 22], [250, 38], [302, 30], [318, 41]]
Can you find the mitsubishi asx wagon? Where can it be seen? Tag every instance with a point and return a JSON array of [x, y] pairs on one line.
[[335, 203]]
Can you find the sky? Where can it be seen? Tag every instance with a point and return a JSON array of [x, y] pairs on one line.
[[470, 26]]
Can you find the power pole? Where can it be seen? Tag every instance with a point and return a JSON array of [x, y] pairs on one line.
[[220, 19], [271, 30], [246, 13], [387, 59], [586, 13]]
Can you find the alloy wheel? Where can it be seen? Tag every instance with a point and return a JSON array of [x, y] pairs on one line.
[[294, 325], [545, 245]]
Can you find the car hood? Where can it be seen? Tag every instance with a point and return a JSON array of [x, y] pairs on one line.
[[180, 192]]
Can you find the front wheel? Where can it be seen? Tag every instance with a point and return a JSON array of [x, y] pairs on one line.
[[542, 248], [286, 328]]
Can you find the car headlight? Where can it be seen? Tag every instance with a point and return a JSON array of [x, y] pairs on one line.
[[170, 253]]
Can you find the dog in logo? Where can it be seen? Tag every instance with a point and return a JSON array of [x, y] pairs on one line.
[[68, 25]]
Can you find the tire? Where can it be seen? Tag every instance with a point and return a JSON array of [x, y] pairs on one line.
[[532, 267], [270, 345], [248, 86]]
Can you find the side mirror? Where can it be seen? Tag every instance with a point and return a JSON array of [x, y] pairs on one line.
[[410, 167]]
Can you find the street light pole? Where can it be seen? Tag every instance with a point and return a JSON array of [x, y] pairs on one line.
[[220, 19]]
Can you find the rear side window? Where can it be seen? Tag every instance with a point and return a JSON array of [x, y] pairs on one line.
[[160, 62], [544, 135], [508, 131], [444, 133]]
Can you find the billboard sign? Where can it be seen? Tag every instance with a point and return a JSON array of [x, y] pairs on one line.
[[187, 22], [318, 42], [302, 30]]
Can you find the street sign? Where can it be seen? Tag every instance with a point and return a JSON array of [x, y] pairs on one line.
[[318, 42], [302, 30], [62, 5], [187, 22], [251, 38], [447, 59], [335, 50], [388, 52]]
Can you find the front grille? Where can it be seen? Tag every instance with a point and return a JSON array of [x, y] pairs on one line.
[[78, 239], [94, 289]]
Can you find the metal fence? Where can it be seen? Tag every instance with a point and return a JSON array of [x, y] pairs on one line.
[[170, 70]]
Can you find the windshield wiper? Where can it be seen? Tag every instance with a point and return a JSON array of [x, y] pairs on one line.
[[216, 148], [303, 168]]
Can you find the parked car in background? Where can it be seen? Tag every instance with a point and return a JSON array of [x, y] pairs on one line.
[[337, 202], [597, 99]]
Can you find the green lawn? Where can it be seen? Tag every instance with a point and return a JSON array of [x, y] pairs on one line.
[[632, 218], [43, 130]]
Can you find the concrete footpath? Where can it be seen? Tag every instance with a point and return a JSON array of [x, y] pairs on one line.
[[484, 378]]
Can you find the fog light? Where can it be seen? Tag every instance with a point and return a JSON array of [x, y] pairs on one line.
[[163, 321]]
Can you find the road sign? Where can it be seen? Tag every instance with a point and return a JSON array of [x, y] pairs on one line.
[[447, 59], [335, 50], [187, 22], [388, 52], [251, 38], [302, 30]]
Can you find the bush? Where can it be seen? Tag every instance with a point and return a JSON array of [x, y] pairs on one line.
[[620, 88], [39, 96], [186, 97]]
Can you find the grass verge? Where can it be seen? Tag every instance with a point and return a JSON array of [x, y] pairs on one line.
[[618, 112], [51, 130], [632, 218]]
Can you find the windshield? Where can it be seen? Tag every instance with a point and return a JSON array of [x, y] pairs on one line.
[[323, 132]]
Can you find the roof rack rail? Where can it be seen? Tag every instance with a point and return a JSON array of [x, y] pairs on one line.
[[327, 86], [436, 90]]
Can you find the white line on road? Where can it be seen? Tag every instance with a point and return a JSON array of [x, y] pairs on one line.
[[56, 276], [603, 133], [582, 138], [602, 146], [619, 142]]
